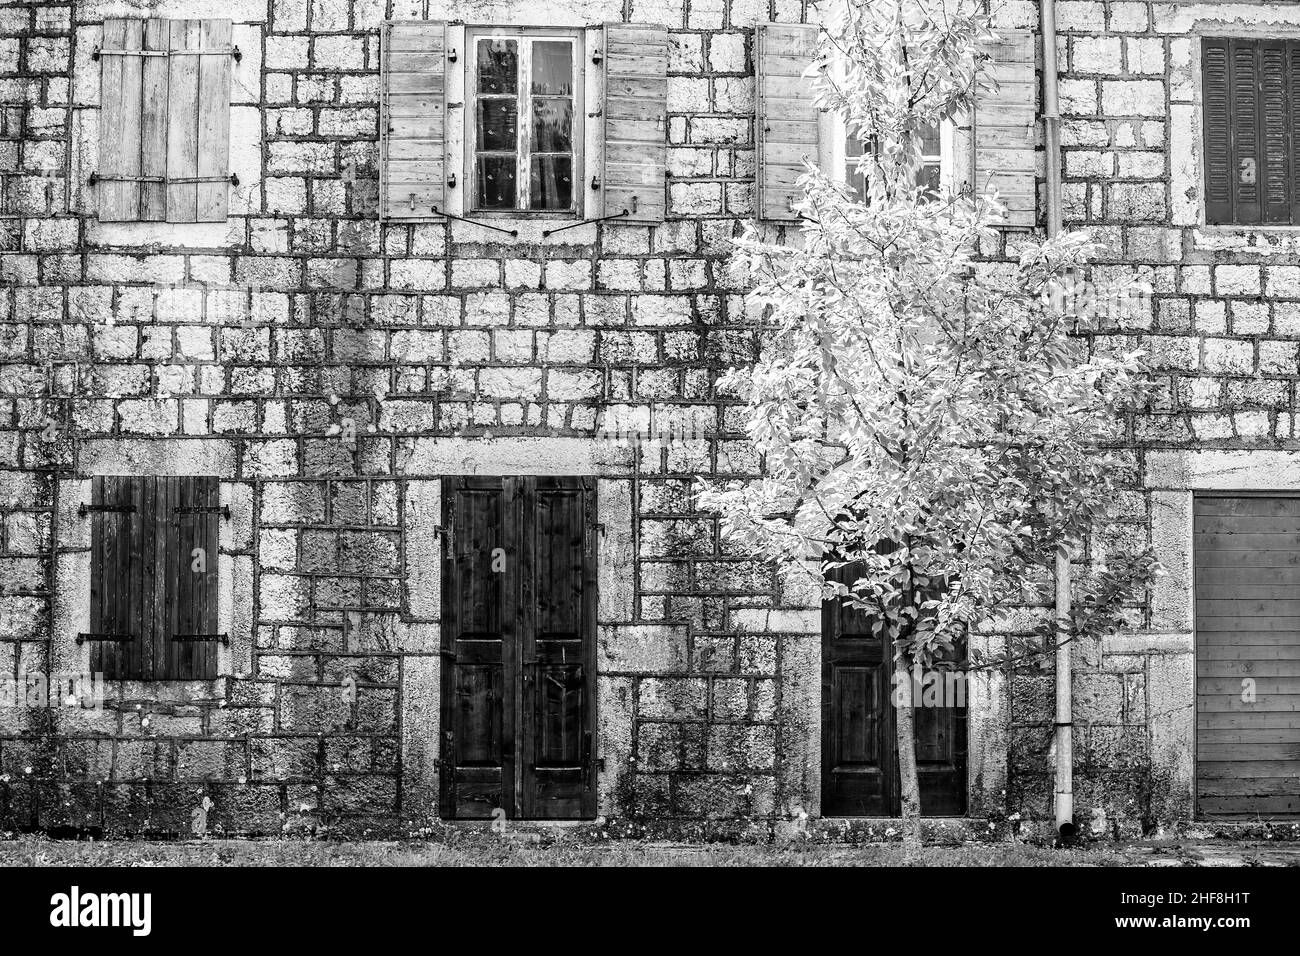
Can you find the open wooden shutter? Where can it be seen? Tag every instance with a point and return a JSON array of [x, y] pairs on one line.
[[185, 647], [558, 610], [479, 647], [122, 578], [413, 136], [787, 121], [164, 145], [1275, 132], [636, 121], [1216, 90], [1004, 128]]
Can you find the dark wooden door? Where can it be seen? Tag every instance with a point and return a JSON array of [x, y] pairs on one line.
[[1247, 581], [859, 752], [519, 609]]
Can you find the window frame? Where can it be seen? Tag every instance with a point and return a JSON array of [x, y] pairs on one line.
[[523, 150]]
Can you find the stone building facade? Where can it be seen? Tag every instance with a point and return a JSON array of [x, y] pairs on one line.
[[330, 370]]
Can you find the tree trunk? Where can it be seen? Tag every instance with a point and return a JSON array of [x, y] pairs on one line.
[[909, 787]]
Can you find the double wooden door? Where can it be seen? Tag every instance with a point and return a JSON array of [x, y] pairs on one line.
[[518, 647], [859, 749]]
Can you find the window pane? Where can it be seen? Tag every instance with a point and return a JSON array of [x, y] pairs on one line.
[[928, 176], [553, 68], [552, 125], [930, 140], [498, 66], [496, 182], [551, 183], [498, 124]]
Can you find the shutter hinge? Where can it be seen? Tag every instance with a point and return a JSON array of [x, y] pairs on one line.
[[84, 636], [83, 509], [223, 510], [451, 55], [223, 638], [595, 183], [597, 56], [451, 181]]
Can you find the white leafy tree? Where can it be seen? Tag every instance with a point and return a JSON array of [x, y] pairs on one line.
[[936, 424]]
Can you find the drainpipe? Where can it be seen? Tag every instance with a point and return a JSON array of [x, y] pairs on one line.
[[1064, 704]]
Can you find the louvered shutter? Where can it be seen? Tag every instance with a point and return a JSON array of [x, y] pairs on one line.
[[122, 580], [1216, 90], [164, 149], [1004, 128], [636, 121], [787, 122], [185, 646], [413, 168], [1244, 69]]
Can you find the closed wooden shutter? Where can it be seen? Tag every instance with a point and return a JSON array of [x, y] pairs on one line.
[[1216, 87], [787, 121], [518, 632], [1004, 128], [164, 149], [153, 600], [1252, 156], [859, 737], [479, 648], [186, 643], [122, 578], [413, 169], [1247, 585], [636, 121], [558, 608]]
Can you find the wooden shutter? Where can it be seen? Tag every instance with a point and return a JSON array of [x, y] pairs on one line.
[[859, 749], [1243, 66], [1004, 128], [479, 648], [122, 578], [558, 611], [1216, 90], [413, 169], [185, 643], [153, 615], [636, 121], [1275, 133], [787, 122], [164, 145]]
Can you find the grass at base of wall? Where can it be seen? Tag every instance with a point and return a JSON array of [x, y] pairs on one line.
[[524, 850]]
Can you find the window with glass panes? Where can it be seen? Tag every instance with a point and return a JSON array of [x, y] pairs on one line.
[[525, 134], [931, 161]]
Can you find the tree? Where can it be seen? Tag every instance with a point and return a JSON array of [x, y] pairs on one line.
[[937, 423]]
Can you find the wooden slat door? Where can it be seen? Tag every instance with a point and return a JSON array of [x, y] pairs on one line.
[[557, 605], [859, 751], [1247, 582], [479, 650], [518, 629]]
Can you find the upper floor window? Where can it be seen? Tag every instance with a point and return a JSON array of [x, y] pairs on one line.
[[525, 134], [1251, 163]]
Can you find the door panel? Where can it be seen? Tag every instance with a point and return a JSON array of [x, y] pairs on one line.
[[519, 638]]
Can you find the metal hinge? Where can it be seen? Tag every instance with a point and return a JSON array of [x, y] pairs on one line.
[[223, 510], [223, 638], [83, 509], [84, 636]]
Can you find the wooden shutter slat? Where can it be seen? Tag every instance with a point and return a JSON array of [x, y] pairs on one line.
[[182, 122], [213, 133], [119, 122], [787, 125], [153, 122], [636, 121], [1004, 128], [413, 130]]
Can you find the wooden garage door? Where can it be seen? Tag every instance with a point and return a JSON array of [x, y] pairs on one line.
[[1247, 556]]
